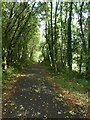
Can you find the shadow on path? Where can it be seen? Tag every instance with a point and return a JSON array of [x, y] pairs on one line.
[[33, 97]]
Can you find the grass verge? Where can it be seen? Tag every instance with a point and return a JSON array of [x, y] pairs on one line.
[[72, 86]]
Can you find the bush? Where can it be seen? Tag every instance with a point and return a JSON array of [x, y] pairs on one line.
[[8, 73]]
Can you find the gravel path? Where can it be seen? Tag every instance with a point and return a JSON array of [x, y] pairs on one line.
[[33, 97]]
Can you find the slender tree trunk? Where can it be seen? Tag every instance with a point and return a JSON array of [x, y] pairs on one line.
[[47, 58], [80, 64], [48, 36], [61, 44], [82, 35], [81, 28], [65, 37], [52, 42], [55, 36], [69, 42], [46, 33]]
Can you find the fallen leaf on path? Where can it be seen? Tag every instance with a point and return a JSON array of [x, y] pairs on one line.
[[67, 117], [72, 113], [19, 114], [15, 107], [38, 113], [59, 112], [12, 104], [37, 90], [22, 108]]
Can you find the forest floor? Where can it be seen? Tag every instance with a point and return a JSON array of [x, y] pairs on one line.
[[31, 94]]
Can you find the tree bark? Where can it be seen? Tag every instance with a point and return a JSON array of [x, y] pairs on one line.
[[80, 64], [55, 37], [52, 50], [69, 40]]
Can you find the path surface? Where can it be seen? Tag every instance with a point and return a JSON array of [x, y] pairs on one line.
[[33, 97]]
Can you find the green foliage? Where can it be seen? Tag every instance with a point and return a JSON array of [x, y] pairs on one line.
[[20, 34], [71, 82], [6, 74], [13, 70], [21, 44]]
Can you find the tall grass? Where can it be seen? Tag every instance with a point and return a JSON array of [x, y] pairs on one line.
[[72, 81]]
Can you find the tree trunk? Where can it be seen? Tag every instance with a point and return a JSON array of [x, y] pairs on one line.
[[69, 40], [55, 37], [52, 42], [80, 64], [61, 44]]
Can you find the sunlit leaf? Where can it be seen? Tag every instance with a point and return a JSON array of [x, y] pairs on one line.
[[37, 90], [19, 114], [38, 113], [72, 113], [12, 104], [59, 112]]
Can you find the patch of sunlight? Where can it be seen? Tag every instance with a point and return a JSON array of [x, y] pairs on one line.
[[21, 75], [74, 66], [31, 75], [38, 56], [25, 75]]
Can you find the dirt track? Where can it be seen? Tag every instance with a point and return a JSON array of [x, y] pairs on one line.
[[32, 96]]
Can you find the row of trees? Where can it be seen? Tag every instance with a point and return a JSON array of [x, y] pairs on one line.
[[20, 33], [67, 33]]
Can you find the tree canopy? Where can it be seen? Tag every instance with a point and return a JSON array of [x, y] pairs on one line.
[[64, 43]]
